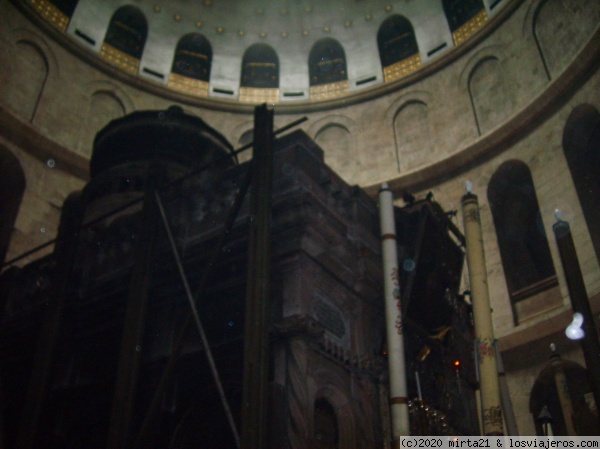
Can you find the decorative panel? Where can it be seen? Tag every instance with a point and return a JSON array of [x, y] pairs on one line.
[[328, 91], [119, 58], [402, 68], [51, 13], [188, 85], [470, 28], [258, 95]]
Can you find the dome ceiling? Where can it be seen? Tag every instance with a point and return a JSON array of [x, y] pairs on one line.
[[276, 51]]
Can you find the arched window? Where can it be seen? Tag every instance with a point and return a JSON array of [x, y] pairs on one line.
[[398, 49], [190, 72], [260, 67], [125, 39], [193, 57], [67, 7], [57, 12], [260, 74], [12, 186], [464, 17], [327, 63], [327, 69], [581, 144], [524, 250], [326, 425]]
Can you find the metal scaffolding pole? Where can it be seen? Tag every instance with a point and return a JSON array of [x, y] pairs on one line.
[[133, 331], [256, 338], [61, 288], [205, 345], [148, 422]]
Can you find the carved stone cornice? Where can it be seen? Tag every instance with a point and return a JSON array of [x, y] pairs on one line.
[[300, 326]]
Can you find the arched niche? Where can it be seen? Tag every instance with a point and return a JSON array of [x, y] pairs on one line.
[[412, 132], [398, 49], [326, 429], [331, 406], [489, 94], [27, 76], [12, 187], [335, 139], [557, 40], [581, 145], [245, 139], [103, 106], [524, 251]]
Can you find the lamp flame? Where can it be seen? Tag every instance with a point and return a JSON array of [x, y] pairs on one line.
[[574, 330]]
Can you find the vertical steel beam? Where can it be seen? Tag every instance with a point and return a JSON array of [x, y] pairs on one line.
[[133, 331], [256, 337]]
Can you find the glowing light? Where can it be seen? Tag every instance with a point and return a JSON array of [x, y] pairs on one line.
[[469, 186], [558, 214], [457, 364], [574, 330]]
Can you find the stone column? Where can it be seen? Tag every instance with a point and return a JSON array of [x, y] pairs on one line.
[[482, 315]]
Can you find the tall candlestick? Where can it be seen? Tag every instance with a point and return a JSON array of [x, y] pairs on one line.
[[579, 301], [393, 316], [482, 317]]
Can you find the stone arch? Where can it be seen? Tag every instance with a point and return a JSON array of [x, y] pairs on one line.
[[412, 134], [489, 94], [581, 145], [334, 135], [12, 187]]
